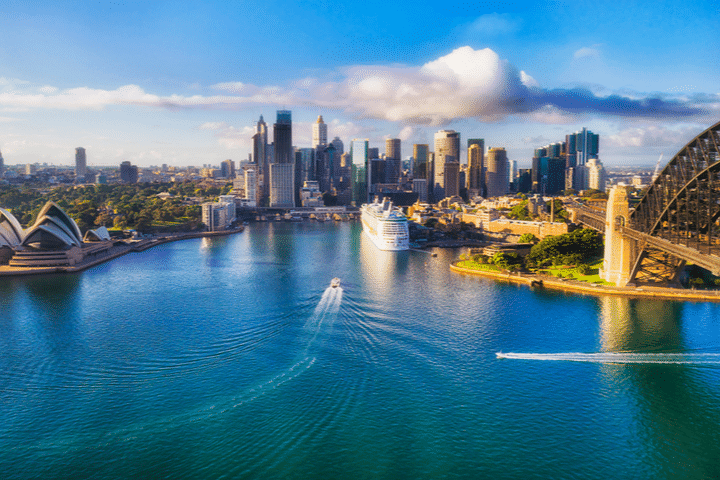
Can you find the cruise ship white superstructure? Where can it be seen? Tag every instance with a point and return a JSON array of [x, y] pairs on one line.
[[386, 225]]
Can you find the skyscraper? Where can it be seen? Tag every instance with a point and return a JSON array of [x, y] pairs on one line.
[[359, 175], [420, 154], [80, 164], [319, 133], [2, 165], [393, 159], [282, 137], [261, 158], [476, 174], [496, 172], [282, 170], [447, 149], [339, 147]]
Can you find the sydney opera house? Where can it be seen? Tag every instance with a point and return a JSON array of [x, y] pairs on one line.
[[53, 240]]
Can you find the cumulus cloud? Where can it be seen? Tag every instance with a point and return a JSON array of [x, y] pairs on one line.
[[466, 83], [653, 136]]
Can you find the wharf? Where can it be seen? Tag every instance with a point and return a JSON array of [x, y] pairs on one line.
[[573, 286]]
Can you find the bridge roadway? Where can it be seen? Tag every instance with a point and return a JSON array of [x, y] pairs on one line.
[[706, 260]]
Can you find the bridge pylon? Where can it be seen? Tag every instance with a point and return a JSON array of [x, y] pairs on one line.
[[619, 257]]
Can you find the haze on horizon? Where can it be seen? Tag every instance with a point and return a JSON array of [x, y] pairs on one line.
[[153, 83]]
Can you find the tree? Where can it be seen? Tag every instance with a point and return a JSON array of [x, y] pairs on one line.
[[528, 238], [579, 245], [520, 211]]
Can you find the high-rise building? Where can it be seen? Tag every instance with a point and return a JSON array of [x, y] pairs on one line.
[[250, 185], [420, 154], [262, 159], [580, 147], [319, 133], [282, 185], [360, 174], [447, 144], [2, 165], [496, 172], [282, 170], [393, 159], [452, 178], [596, 176], [80, 164], [227, 169], [128, 173], [475, 176], [339, 147], [282, 138]]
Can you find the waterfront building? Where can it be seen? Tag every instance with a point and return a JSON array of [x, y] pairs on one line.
[[359, 175], [282, 185], [496, 172], [319, 134], [80, 165], [282, 170], [475, 170], [420, 154], [310, 195], [218, 216], [262, 159], [128, 172], [447, 143], [251, 187]]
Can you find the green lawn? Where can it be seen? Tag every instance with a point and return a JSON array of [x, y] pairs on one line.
[[593, 277], [488, 267]]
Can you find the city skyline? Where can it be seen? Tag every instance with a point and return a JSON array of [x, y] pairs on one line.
[[151, 84]]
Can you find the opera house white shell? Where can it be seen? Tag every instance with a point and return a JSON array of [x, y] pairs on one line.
[[53, 230], [11, 233]]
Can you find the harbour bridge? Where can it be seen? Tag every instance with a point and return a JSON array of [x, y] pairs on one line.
[[676, 221]]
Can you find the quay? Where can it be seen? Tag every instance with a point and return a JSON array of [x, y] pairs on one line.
[[541, 281]]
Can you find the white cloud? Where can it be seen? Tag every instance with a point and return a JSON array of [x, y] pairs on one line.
[[653, 136], [587, 52], [492, 24], [465, 83]]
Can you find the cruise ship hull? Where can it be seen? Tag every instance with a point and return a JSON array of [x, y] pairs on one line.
[[387, 232]]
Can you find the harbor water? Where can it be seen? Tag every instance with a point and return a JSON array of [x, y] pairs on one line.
[[233, 357]]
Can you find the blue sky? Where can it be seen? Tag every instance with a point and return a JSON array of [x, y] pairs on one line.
[[183, 82]]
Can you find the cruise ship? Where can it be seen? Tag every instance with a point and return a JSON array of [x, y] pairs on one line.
[[386, 226]]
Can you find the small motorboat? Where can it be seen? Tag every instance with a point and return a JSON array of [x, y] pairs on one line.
[[335, 282]]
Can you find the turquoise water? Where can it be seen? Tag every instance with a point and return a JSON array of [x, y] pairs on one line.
[[232, 357]]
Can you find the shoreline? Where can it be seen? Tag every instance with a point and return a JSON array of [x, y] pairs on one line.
[[112, 253], [551, 283]]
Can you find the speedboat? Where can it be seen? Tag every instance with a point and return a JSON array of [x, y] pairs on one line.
[[335, 282]]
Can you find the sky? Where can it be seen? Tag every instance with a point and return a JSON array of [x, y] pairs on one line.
[[183, 83]]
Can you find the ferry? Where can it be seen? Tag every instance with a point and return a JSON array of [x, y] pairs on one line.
[[386, 225]]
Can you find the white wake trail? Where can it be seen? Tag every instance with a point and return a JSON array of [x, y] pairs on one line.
[[619, 357]]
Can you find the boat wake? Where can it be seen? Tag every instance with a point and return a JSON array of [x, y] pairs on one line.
[[620, 357]]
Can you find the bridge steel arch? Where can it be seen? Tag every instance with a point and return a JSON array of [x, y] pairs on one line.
[[681, 206]]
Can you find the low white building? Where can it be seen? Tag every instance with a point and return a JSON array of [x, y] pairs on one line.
[[218, 216]]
